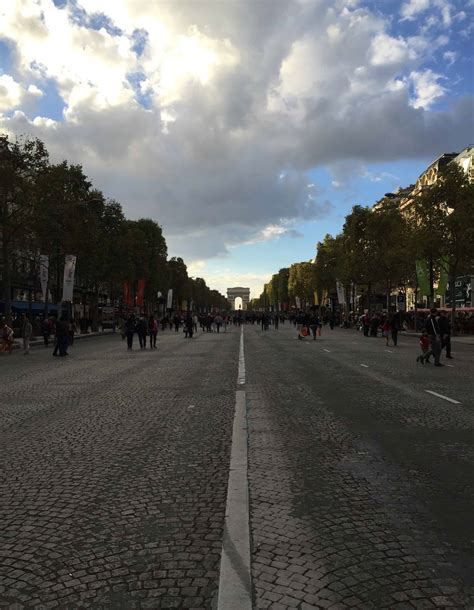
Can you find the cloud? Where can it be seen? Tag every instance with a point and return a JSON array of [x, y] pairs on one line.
[[207, 116], [13, 94], [427, 88], [410, 10]]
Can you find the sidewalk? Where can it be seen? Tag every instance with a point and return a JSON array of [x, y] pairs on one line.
[[38, 341]]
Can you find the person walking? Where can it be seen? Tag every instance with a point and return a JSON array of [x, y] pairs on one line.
[[445, 328], [46, 330], [142, 331], [300, 321], [153, 330], [189, 326], [366, 323], [130, 327], [276, 321], [314, 325], [218, 322], [433, 328], [27, 333], [176, 322], [395, 325], [386, 328], [62, 331]]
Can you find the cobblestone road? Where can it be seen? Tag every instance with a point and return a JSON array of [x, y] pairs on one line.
[[115, 473], [361, 483], [115, 470]]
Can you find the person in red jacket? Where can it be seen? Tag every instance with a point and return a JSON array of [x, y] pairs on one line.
[[426, 352]]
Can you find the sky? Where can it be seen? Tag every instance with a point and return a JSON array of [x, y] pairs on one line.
[[248, 130]]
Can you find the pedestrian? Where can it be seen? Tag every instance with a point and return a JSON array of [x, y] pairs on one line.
[[374, 325], [153, 330], [195, 322], [425, 348], [142, 331], [366, 323], [27, 333], [130, 327], [395, 325], [300, 325], [176, 322], [433, 328], [7, 338], [218, 322], [332, 320], [386, 328], [276, 321], [445, 328], [313, 325], [46, 330], [62, 329], [189, 326]]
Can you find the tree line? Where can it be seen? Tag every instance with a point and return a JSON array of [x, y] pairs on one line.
[[54, 209], [378, 248]]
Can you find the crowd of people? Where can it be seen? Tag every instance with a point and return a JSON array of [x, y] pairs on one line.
[[435, 337]]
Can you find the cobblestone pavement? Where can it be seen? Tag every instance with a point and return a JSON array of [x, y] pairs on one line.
[[115, 469], [361, 483]]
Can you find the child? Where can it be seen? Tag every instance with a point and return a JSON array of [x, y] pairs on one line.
[[386, 331], [425, 348]]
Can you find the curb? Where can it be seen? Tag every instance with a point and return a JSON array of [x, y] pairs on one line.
[[39, 342]]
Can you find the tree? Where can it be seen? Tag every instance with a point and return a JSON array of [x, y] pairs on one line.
[[302, 281], [21, 162], [444, 226]]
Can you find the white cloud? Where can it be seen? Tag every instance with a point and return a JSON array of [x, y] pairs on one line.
[[13, 94], [410, 10], [211, 125], [427, 88], [450, 57]]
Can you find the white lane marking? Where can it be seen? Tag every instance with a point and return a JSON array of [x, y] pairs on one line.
[[456, 402], [326, 350], [451, 366], [241, 373], [366, 366], [235, 584], [389, 351]]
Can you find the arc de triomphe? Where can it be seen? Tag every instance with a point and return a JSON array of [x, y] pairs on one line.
[[243, 293]]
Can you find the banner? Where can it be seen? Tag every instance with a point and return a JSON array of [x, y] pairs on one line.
[[169, 303], [443, 277], [341, 297], [141, 293], [422, 275], [68, 280], [298, 302], [126, 295], [44, 273]]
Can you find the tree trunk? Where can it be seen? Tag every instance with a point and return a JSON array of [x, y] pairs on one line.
[[7, 282], [369, 289], [452, 292]]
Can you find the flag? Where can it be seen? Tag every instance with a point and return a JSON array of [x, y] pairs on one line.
[[44, 273], [126, 294], [68, 280], [169, 303], [140, 292], [422, 275]]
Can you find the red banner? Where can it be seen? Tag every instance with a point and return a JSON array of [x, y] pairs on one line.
[[126, 294], [140, 293]]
